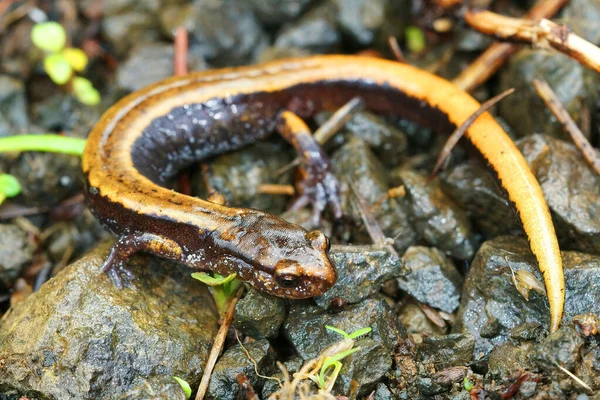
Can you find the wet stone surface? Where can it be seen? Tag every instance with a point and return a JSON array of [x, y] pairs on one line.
[[13, 108], [305, 325], [362, 270], [223, 383], [447, 351], [16, 251], [415, 321], [275, 12], [435, 216], [259, 315], [432, 280], [492, 309], [367, 366], [80, 337]]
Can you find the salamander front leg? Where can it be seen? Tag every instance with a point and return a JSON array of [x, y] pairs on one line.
[[127, 245], [317, 186]]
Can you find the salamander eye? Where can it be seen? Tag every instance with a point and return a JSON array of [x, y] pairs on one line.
[[288, 281]]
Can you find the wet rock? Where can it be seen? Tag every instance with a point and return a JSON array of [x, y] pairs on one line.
[[356, 163], [432, 280], [563, 347], [509, 358], [475, 189], [80, 337], [259, 315], [156, 388], [226, 32], [128, 23], [305, 325], [490, 297], [440, 382], [237, 176], [315, 32], [223, 383], [435, 216], [16, 251], [382, 392], [447, 351], [134, 73], [362, 270], [574, 84], [275, 12], [571, 189], [364, 22], [583, 18], [64, 113], [46, 178], [414, 319], [367, 366], [13, 107]]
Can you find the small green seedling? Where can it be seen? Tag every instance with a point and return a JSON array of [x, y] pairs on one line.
[[9, 187], [467, 384], [223, 287], [353, 335], [62, 63], [185, 386], [415, 39]]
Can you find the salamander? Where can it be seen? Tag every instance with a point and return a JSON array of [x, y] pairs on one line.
[[145, 138]]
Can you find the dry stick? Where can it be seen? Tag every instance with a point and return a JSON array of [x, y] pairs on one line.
[[218, 345], [492, 59], [180, 52], [398, 191], [273, 188], [543, 33], [460, 131], [552, 101], [396, 50]]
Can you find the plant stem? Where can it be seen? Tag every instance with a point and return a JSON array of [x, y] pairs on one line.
[[45, 142]]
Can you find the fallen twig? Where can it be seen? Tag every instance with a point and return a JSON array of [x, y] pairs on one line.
[[552, 101]]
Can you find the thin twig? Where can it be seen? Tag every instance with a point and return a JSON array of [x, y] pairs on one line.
[[398, 191], [337, 120], [272, 188], [460, 131], [574, 377], [218, 345], [494, 57], [180, 52], [396, 50], [543, 33], [553, 102]]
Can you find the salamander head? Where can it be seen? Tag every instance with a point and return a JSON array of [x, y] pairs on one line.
[[283, 260]]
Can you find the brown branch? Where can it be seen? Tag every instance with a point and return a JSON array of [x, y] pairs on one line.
[[271, 188], [493, 58], [543, 33], [553, 103], [460, 131], [396, 50]]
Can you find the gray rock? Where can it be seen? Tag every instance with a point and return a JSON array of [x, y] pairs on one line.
[[223, 384], [226, 32], [475, 189], [490, 298], [573, 83], [129, 28], [436, 217], [571, 189], [80, 337], [432, 280], [13, 107], [367, 366], [415, 321], [158, 387], [276, 12], [237, 176], [259, 315], [583, 18], [305, 325], [447, 351], [362, 270], [63, 112], [16, 251], [355, 163], [508, 358], [315, 32], [134, 73]]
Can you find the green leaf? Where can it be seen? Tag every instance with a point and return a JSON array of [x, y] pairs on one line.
[[360, 332], [336, 330], [341, 355], [58, 68], [46, 142], [9, 185], [185, 386], [467, 384], [415, 39], [217, 280], [49, 36], [76, 58], [85, 91]]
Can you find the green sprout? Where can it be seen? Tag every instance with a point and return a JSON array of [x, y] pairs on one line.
[[46, 142], [223, 287], [468, 384], [185, 386], [62, 63], [353, 335], [9, 187], [415, 39]]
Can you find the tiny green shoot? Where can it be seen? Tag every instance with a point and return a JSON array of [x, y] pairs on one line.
[[415, 39], [62, 63], [335, 362], [353, 335], [185, 386], [45, 142], [467, 384], [9, 187], [223, 287]]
